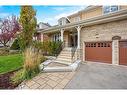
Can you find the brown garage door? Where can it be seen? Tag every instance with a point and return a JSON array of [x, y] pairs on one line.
[[98, 52], [123, 52]]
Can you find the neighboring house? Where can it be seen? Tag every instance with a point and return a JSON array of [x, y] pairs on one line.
[[97, 33], [41, 26]]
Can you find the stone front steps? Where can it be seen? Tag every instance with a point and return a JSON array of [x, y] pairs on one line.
[[62, 63], [65, 57]]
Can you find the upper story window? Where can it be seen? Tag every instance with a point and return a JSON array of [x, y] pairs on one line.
[[109, 9]]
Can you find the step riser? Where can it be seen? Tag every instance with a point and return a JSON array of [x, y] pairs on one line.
[[64, 57], [65, 53], [64, 60], [61, 61], [66, 63]]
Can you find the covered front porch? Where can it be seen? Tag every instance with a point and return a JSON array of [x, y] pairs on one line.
[[69, 36]]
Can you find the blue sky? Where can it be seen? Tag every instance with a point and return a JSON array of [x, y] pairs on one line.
[[48, 14]]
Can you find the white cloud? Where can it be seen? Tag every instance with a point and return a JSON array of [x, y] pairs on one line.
[[65, 14], [4, 14], [54, 20], [51, 21], [58, 8]]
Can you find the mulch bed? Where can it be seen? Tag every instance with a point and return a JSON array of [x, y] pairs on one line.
[[5, 82]]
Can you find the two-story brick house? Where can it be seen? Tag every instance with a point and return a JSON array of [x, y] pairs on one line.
[[97, 33]]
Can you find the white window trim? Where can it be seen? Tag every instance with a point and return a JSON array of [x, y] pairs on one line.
[[56, 37], [110, 10]]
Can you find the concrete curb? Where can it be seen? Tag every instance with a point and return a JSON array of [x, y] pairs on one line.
[[70, 68]]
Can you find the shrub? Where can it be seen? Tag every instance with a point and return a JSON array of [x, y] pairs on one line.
[[43, 58], [31, 63], [18, 77], [37, 45], [55, 48], [31, 67], [15, 45], [51, 48], [46, 47]]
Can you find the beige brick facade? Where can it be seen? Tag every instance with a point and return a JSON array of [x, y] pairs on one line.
[[99, 29], [105, 32], [91, 13]]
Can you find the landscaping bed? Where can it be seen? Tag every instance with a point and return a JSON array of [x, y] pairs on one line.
[[10, 75], [5, 82], [9, 64]]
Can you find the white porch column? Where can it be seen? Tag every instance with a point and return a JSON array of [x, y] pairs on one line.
[[62, 31], [78, 41]]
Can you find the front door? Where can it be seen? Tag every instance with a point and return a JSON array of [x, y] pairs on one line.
[[73, 40]]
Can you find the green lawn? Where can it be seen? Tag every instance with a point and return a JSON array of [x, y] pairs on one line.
[[10, 62]]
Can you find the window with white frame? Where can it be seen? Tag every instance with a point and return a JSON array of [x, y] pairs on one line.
[[56, 37], [109, 9]]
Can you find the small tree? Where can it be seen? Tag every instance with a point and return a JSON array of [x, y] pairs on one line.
[[8, 29], [28, 23]]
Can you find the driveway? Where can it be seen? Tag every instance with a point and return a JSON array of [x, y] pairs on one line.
[[99, 76]]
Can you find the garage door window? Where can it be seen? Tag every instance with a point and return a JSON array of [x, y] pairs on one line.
[[98, 44]]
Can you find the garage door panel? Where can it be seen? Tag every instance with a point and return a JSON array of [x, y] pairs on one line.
[[123, 52], [98, 52]]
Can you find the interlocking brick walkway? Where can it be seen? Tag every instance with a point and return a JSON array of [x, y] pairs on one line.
[[57, 80]]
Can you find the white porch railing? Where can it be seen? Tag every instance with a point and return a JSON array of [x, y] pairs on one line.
[[75, 54]]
